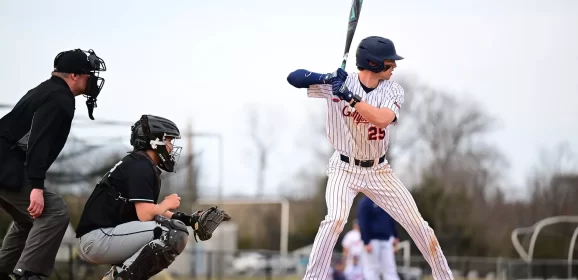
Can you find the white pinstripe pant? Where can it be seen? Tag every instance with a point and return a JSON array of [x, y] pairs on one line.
[[383, 187]]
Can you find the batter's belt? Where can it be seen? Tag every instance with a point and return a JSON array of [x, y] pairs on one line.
[[362, 163]]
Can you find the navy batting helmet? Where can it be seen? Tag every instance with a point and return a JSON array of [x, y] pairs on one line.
[[375, 49]]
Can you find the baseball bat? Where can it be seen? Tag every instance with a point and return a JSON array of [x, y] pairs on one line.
[[351, 27]]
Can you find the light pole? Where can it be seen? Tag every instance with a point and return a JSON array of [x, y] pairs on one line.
[[221, 160]]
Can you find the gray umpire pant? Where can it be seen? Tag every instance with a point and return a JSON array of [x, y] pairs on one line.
[[117, 245], [32, 245]]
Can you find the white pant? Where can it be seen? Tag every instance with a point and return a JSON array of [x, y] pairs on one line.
[[384, 188], [380, 261]]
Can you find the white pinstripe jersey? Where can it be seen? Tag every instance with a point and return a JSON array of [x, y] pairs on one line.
[[348, 132]]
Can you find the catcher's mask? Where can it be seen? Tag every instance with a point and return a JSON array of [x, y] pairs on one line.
[[78, 61], [158, 134]]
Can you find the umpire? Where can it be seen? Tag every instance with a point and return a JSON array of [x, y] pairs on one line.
[[32, 136]]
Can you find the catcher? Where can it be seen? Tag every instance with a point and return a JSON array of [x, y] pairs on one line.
[[123, 225]]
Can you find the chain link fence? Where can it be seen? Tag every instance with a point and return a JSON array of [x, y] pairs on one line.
[[257, 265]]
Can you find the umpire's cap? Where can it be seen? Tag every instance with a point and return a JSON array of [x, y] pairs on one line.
[[375, 49], [72, 61]]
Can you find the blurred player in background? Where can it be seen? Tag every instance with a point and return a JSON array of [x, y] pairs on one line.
[[354, 271], [379, 234], [336, 272], [352, 244]]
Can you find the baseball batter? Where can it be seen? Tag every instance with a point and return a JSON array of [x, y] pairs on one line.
[[358, 128]]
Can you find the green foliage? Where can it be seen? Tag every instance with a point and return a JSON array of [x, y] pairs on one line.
[[306, 234], [553, 241], [245, 242], [309, 224], [449, 213]]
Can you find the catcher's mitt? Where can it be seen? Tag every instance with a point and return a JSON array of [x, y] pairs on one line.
[[208, 220]]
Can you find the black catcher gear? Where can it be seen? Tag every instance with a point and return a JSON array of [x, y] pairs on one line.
[[207, 221], [188, 220], [151, 132], [158, 254]]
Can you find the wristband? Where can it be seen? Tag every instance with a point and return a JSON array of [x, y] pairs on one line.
[[186, 219], [354, 100], [349, 96]]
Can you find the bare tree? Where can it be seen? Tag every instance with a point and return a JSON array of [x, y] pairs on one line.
[[79, 165], [445, 140], [447, 135], [305, 183], [553, 183], [262, 131]]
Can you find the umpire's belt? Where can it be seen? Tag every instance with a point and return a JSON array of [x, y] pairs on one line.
[[362, 163]]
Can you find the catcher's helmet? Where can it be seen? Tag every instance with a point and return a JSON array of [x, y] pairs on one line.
[[150, 132], [375, 49]]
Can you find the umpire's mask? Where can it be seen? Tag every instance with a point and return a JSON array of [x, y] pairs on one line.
[[78, 61]]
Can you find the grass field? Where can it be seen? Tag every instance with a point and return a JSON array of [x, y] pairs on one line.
[[168, 277], [264, 278], [252, 278]]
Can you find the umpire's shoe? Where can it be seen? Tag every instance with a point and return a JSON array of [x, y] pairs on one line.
[[24, 275]]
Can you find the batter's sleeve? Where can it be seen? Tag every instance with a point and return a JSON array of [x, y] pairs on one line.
[[141, 181], [394, 99], [320, 91], [364, 219]]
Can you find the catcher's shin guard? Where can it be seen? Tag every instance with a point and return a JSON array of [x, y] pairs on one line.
[[159, 253]]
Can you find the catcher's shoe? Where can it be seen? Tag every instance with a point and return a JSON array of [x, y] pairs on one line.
[[19, 274], [112, 274]]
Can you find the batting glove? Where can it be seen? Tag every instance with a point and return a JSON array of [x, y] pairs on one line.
[[339, 74], [341, 91]]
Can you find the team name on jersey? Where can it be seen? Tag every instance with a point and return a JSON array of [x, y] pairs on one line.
[[356, 116]]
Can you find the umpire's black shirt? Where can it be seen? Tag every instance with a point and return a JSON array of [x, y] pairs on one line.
[[136, 179], [33, 134]]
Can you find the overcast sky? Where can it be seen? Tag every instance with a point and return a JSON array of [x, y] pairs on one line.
[[208, 60]]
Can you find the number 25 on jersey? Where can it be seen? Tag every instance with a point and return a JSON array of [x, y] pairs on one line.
[[375, 133]]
